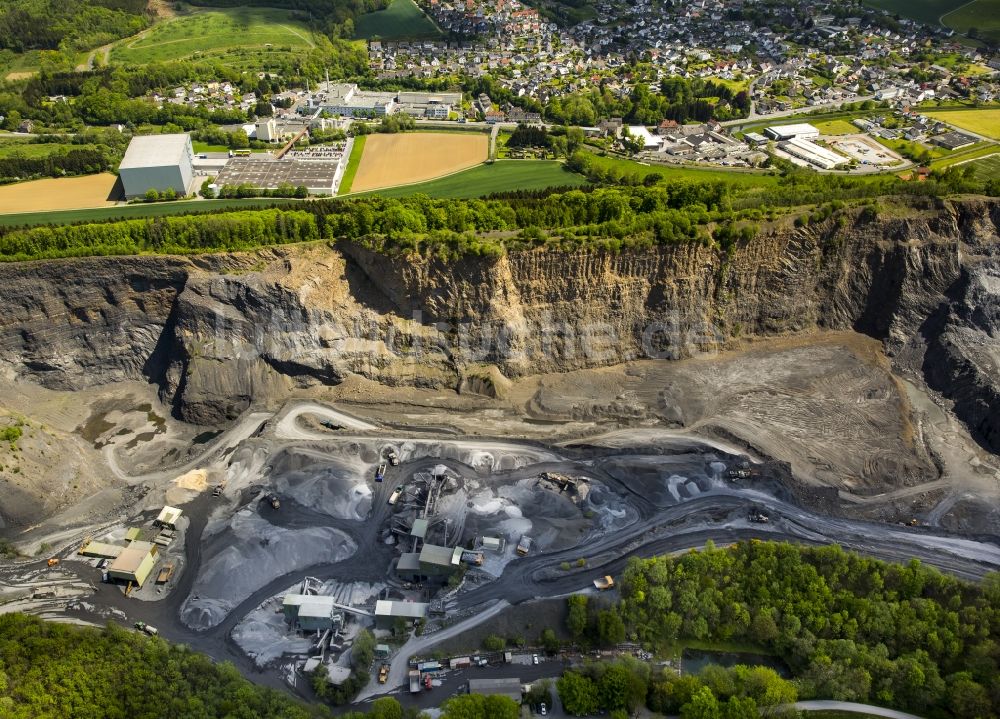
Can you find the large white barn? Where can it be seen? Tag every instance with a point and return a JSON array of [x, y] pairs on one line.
[[157, 162]]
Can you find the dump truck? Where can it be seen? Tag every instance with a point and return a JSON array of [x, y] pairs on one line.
[[393, 457], [53, 562], [524, 545], [165, 574], [383, 674], [605, 582], [147, 628], [396, 494], [475, 558], [414, 681], [273, 500], [380, 472]]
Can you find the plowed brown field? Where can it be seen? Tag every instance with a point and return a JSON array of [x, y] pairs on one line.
[[63, 193], [400, 159]]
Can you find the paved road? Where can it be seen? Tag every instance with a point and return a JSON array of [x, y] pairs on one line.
[[823, 107], [830, 705]]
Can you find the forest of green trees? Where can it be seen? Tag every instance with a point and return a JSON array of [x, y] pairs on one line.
[[848, 627], [610, 217], [57, 671], [625, 685], [165, 235], [68, 24]]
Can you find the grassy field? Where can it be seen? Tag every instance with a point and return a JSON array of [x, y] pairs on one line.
[[501, 176], [9, 148], [812, 117], [734, 85], [981, 149], [983, 15], [215, 31], [927, 11], [131, 212], [352, 164], [987, 167], [684, 173], [908, 148], [402, 19], [836, 127], [981, 122]]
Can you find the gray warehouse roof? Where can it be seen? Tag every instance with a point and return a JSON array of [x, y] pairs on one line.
[[440, 556], [154, 151], [409, 562], [419, 528], [407, 610], [510, 687]]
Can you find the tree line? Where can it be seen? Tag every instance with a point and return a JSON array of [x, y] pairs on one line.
[[58, 671], [623, 686], [77, 161], [712, 213], [849, 627], [226, 231]]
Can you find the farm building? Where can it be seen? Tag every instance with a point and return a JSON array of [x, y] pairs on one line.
[[801, 130], [812, 153], [168, 517], [386, 612], [135, 563], [954, 140], [157, 162], [509, 687], [649, 140]]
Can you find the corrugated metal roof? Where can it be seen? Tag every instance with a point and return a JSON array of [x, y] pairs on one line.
[[154, 151], [132, 556], [408, 562], [407, 610], [441, 556], [508, 687], [101, 549], [169, 515], [419, 528]]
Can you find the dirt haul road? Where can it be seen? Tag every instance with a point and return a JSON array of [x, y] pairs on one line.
[[409, 157], [717, 512]]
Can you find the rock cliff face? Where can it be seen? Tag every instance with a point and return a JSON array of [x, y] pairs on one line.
[[221, 332]]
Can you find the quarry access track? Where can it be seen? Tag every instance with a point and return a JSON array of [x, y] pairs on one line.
[[718, 516]]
